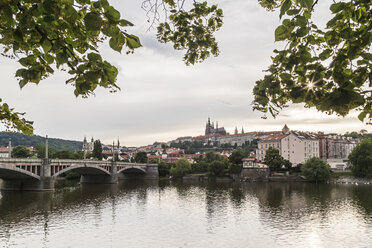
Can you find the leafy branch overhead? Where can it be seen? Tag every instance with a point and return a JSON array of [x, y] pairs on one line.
[[192, 30], [189, 28], [329, 69], [65, 34]]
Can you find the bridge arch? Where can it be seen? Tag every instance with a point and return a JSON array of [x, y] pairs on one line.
[[84, 170], [12, 172], [132, 170]]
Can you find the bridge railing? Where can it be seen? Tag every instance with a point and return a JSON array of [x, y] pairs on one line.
[[72, 161], [20, 160]]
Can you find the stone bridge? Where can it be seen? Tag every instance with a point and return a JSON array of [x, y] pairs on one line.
[[39, 174]]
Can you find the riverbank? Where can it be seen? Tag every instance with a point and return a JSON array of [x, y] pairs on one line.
[[351, 180]]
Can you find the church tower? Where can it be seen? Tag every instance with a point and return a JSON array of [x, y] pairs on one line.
[[236, 130], [242, 130], [208, 126], [285, 129], [85, 144]]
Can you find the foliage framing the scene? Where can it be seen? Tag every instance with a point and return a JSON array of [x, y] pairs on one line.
[[64, 34], [329, 69]]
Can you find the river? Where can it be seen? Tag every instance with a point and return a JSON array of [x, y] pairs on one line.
[[153, 214]]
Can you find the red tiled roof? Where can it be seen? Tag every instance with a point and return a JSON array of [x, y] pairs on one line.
[[4, 149], [275, 137]]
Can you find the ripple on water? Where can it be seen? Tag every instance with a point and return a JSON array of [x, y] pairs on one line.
[[190, 215]]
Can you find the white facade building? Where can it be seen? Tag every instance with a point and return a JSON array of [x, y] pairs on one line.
[[297, 147]]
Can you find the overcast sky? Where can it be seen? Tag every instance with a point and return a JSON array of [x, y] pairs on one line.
[[161, 98]]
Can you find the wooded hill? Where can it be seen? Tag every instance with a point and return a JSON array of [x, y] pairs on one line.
[[55, 144]]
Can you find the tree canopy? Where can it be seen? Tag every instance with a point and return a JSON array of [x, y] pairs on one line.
[[97, 150], [361, 159], [329, 68], [20, 152], [316, 169]]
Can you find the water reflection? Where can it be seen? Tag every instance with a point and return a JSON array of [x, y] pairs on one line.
[[189, 215]]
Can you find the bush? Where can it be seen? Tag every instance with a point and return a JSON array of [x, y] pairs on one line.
[[217, 168], [182, 167], [361, 159], [316, 169]]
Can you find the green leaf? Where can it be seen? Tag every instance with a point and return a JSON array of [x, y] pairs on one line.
[[93, 21], [337, 7], [306, 3], [281, 33], [112, 14], [94, 57], [117, 42], [133, 41], [362, 115], [125, 23], [285, 6], [46, 45], [325, 54]]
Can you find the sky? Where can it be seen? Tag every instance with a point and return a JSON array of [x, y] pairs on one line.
[[161, 98]]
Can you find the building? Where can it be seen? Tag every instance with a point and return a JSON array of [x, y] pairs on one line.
[[4, 152], [88, 146], [210, 129], [297, 147], [237, 139], [336, 147]]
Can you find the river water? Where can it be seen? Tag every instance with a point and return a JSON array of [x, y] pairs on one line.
[[153, 214]]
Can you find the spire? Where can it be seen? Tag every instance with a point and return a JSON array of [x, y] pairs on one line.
[[92, 140], [242, 130], [285, 129], [209, 120], [85, 139], [236, 130], [118, 142]]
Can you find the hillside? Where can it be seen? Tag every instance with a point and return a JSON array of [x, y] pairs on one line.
[[55, 144]]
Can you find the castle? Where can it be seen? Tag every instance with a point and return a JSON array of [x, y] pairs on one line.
[[210, 129]]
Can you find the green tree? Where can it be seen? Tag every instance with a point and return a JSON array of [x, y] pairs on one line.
[[164, 169], [20, 152], [200, 167], [62, 154], [217, 168], [181, 168], [361, 159], [235, 168], [273, 159], [324, 68], [39, 149], [97, 150], [287, 164], [141, 157], [236, 157], [78, 155], [316, 169]]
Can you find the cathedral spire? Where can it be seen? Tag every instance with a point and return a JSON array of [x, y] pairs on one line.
[[236, 130], [242, 130]]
